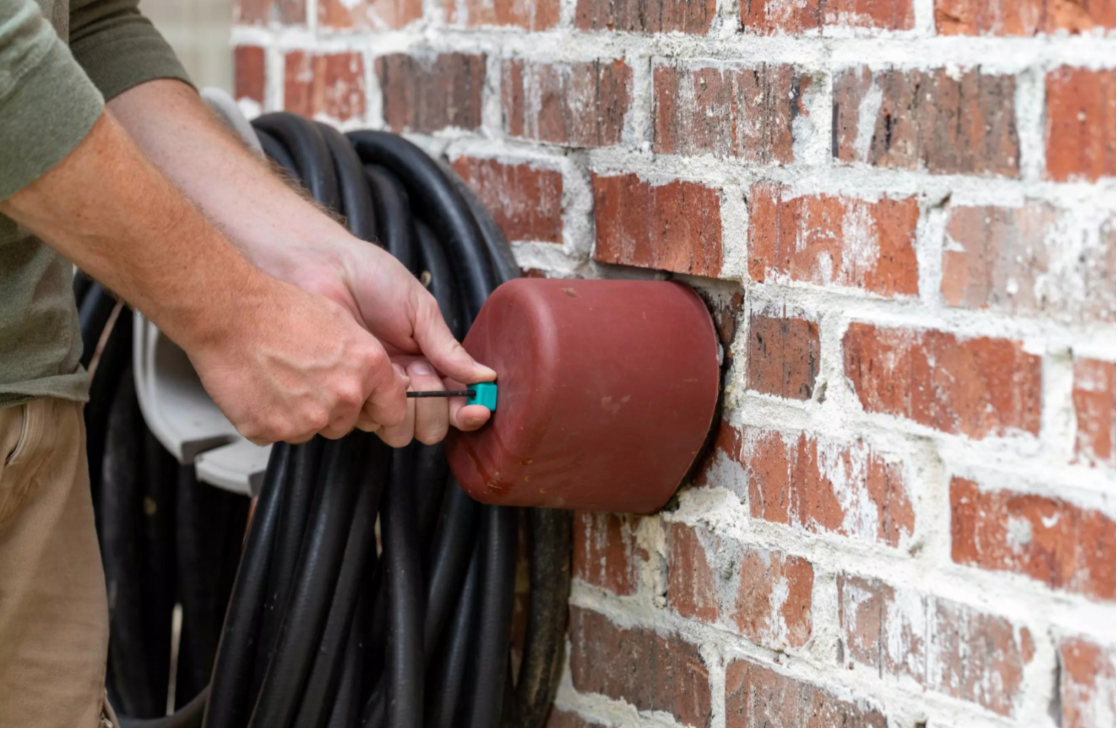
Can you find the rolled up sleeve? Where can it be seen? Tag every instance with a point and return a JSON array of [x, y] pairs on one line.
[[118, 47], [47, 103]]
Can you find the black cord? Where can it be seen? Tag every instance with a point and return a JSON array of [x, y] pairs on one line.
[[320, 627]]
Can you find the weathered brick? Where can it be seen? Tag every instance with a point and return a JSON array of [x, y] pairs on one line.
[[833, 240], [368, 14], [637, 665], [721, 464], [1086, 683], [976, 387], [1022, 17], [1095, 410], [823, 486], [726, 310], [1062, 545], [331, 84], [525, 200], [605, 551], [797, 17], [691, 584], [526, 14], [577, 104], [250, 73], [774, 598], [1081, 124], [944, 646], [425, 94], [937, 120], [675, 226], [757, 695], [748, 113], [264, 12], [646, 16], [559, 719], [783, 356], [1033, 259]]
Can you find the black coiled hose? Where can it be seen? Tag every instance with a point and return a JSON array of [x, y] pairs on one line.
[[322, 628]]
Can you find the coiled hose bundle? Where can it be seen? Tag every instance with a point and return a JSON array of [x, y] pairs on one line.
[[325, 623]]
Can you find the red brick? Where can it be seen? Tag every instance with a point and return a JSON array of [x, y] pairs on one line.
[[782, 356], [1050, 540], [250, 73], [726, 447], [1094, 409], [524, 200], [526, 14], [264, 12], [976, 387], [796, 17], [577, 104], [637, 665], [737, 112], [1081, 124], [944, 646], [832, 239], [823, 486], [1086, 683], [675, 227], [757, 695], [691, 586], [606, 553], [1033, 259], [646, 16], [773, 606], [332, 85], [559, 719], [726, 310], [935, 120], [368, 14], [425, 94], [1022, 17]]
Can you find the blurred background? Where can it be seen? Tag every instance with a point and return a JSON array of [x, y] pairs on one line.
[[199, 32]]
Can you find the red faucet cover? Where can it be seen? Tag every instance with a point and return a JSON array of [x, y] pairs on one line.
[[606, 391]]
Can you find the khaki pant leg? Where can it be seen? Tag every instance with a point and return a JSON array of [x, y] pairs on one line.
[[54, 623]]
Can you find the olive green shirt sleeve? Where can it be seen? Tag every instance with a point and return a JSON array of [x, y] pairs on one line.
[[47, 103], [118, 47]]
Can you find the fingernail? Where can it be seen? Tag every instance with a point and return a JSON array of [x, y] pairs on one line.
[[421, 368], [487, 371]]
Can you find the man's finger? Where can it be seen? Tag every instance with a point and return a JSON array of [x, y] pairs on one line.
[[463, 416], [387, 401], [367, 424], [431, 414], [400, 434], [445, 352]]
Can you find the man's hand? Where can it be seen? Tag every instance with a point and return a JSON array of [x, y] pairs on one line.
[[290, 364], [291, 240], [379, 292]]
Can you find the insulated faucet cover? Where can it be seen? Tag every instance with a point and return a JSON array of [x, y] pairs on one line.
[[607, 392]]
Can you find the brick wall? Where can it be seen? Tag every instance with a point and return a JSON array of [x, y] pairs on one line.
[[902, 215]]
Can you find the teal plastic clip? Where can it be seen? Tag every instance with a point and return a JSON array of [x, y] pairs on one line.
[[484, 393]]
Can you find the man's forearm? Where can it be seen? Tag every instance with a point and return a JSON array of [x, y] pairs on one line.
[[176, 130], [281, 363], [106, 208]]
